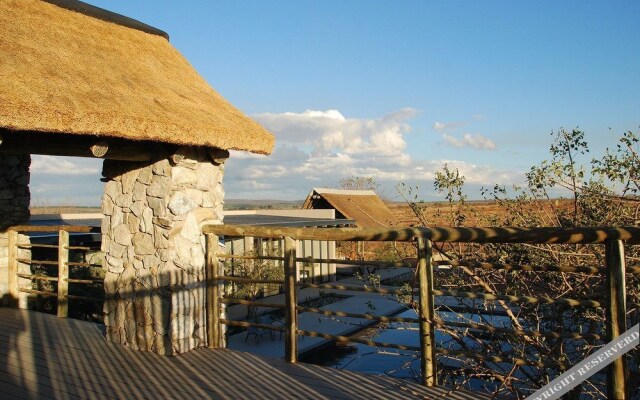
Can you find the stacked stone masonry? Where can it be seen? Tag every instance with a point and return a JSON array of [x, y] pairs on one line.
[[155, 251], [14, 210], [14, 189]]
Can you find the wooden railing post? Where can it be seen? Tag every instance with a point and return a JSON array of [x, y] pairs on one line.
[[214, 331], [427, 314], [291, 301], [12, 267], [616, 316], [63, 273]]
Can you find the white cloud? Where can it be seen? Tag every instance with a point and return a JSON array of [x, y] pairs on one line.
[[317, 148], [327, 132], [468, 140], [448, 126], [49, 165]]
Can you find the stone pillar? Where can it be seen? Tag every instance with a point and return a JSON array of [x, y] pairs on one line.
[[155, 251], [14, 208]]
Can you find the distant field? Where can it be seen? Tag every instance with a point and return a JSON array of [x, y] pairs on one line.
[[64, 210], [230, 204], [436, 213], [478, 212], [248, 204]]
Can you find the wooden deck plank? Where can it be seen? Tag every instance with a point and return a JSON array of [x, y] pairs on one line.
[[11, 391], [42, 356], [74, 381], [119, 374], [25, 343], [113, 359], [267, 379]]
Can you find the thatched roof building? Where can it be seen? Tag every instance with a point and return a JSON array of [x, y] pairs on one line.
[[68, 67], [363, 206]]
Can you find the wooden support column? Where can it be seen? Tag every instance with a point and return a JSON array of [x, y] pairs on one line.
[[214, 331], [616, 316], [291, 301], [427, 314], [12, 266], [63, 273]]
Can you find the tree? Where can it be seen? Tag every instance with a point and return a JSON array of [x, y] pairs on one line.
[[255, 268], [361, 183], [600, 192], [451, 183]]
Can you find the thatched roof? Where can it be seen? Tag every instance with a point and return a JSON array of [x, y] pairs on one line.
[[363, 206], [66, 72]]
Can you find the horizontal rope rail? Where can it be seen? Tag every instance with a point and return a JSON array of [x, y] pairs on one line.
[[84, 298], [52, 228], [89, 281], [37, 246], [352, 288], [387, 264], [515, 267], [442, 323], [38, 292], [470, 309], [383, 264], [519, 332], [496, 359], [346, 339], [83, 264], [55, 246], [551, 235], [251, 303], [501, 359], [85, 248], [245, 324], [354, 315], [38, 277], [40, 262], [520, 299], [248, 280], [241, 257]]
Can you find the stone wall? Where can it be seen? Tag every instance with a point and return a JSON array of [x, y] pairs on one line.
[[14, 189], [14, 208], [154, 249]]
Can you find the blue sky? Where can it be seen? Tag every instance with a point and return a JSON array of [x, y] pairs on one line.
[[395, 89]]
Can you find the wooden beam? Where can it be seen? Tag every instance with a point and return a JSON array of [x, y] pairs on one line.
[[99, 149], [213, 294], [54, 228], [60, 144], [616, 317], [218, 156], [63, 274], [551, 235], [427, 314], [12, 267], [291, 302]]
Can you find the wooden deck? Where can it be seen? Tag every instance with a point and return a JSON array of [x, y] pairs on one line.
[[45, 357]]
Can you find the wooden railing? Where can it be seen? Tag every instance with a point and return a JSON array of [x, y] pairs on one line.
[[614, 301], [62, 265]]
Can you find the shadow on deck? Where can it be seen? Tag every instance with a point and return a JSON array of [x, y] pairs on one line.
[[45, 357]]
